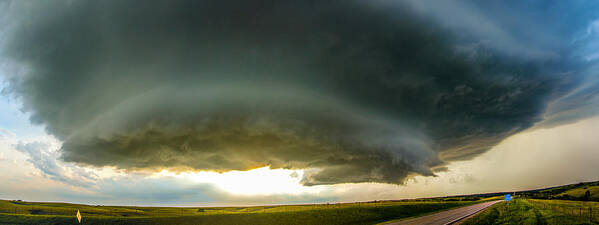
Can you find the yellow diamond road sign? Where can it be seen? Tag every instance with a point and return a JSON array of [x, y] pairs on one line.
[[78, 216]]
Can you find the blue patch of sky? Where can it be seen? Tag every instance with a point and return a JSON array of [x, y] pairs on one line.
[[13, 119]]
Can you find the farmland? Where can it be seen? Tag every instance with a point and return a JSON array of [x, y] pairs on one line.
[[19, 212]]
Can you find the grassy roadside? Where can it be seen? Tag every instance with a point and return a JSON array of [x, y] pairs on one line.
[[521, 211], [582, 210]]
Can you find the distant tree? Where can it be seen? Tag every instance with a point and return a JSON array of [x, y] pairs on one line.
[[587, 195]]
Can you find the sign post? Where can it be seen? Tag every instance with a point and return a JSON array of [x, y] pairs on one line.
[[78, 216], [507, 198]]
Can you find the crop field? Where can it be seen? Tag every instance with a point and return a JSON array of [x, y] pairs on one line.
[[19, 212], [535, 212]]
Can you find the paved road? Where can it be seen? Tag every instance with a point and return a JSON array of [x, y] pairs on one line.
[[447, 217]]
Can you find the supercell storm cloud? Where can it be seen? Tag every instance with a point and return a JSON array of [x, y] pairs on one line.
[[352, 91]]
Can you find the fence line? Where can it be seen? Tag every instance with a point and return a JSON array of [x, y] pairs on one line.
[[583, 211]]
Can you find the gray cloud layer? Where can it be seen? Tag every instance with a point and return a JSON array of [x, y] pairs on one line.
[[358, 91], [41, 158]]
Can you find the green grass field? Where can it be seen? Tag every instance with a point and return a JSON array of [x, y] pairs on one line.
[[18, 212], [531, 212]]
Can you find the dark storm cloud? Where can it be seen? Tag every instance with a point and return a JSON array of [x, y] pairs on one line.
[[353, 91]]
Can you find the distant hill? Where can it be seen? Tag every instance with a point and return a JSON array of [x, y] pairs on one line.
[[582, 192], [577, 192]]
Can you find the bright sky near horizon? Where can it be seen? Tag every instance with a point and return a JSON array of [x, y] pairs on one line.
[[214, 108]]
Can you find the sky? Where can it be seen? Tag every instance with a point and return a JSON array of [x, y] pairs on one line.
[[182, 103]]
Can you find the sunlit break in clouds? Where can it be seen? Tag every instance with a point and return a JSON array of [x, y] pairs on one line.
[[261, 181], [295, 99]]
